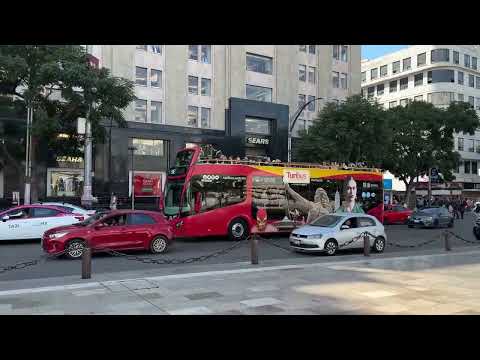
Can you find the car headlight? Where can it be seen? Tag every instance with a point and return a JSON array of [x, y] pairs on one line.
[[58, 235], [319, 236], [429, 218]]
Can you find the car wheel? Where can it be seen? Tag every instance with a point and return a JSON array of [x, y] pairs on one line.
[[436, 224], [450, 224], [74, 249], [331, 247], [159, 245], [379, 244], [476, 232], [238, 230], [410, 226]]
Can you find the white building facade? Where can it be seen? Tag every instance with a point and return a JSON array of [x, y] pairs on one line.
[[439, 74]]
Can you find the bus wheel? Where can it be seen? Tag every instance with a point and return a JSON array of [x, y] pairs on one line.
[[238, 230]]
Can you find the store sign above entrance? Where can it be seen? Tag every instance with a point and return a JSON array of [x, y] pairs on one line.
[[69, 159], [293, 176], [257, 140]]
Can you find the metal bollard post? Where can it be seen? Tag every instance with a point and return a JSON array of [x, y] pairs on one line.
[[87, 263], [254, 249], [366, 245], [447, 241]]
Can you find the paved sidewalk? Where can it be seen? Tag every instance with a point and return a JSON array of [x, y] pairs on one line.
[[428, 284]]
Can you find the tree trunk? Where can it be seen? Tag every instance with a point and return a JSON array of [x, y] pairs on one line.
[[34, 182], [409, 185]]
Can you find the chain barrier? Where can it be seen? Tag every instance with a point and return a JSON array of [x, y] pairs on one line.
[[22, 265], [173, 261], [407, 246], [268, 242], [461, 238]]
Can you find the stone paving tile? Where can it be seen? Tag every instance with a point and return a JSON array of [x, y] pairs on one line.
[[206, 295], [260, 302], [200, 310], [263, 288], [138, 284], [264, 310], [378, 294], [89, 292]]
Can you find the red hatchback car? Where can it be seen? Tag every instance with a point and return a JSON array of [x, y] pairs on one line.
[[396, 214], [116, 230]]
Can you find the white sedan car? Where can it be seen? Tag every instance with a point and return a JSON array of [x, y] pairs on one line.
[[329, 233], [31, 221], [70, 208]]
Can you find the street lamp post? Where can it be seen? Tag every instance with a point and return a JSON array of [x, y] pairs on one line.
[[87, 197], [132, 149], [28, 160], [292, 122]]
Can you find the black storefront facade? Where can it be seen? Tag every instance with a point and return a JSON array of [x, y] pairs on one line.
[[251, 128]]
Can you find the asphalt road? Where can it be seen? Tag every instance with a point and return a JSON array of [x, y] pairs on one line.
[[14, 252]]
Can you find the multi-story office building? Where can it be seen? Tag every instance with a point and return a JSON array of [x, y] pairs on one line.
[[239, 98], [439, 74]]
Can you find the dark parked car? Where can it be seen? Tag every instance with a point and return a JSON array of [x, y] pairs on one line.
[[431, 217]]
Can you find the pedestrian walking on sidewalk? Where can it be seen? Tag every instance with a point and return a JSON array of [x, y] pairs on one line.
[[463, 206]]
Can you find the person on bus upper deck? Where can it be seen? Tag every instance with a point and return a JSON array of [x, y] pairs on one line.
[[350, 196]]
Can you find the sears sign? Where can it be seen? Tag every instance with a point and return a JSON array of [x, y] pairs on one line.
[[294, 176], [256, 140]]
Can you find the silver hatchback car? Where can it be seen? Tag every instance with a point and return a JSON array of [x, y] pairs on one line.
[[330, 232]]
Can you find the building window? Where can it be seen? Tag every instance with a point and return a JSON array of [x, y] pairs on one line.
[[206, 85], [407, 64], [302, 48], [471, 101], [257, 126], [302, 72], [156, 49], [206, 51], [466, 167], [148, 147], [155, 78], [471, 80], [440, 76], [335, 79], [142, 47], [392, 104], [380, 89], [205, 118], [461, 98], [364, 76], [193, 52], [371, 92], [477, 148], [474, 63], [404, 83], [259, 64], [477, 80], [418, 79], [421, 59], [438, 55], [460, 144], [302, 99], [192, 116], [383, 70], [393, 86], [311, 103], [336, 52], [441, 98], [418, 98], [456, 57], [312, 49], [258, 93], [460, 78], [396, 67], [141, 110], [403, 102], [156, 112], [466, 60], [344, 54], [141, 76], [471, 145], [343, 80], [311, 74], [373, 74], [474, 168], [192, 85], [477, 101]]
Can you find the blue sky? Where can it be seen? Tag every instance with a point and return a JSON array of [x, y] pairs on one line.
[[373, 51]]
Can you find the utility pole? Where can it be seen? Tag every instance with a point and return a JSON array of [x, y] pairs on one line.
[[291, 124], [429, 186], [28, 160], [132, 194]]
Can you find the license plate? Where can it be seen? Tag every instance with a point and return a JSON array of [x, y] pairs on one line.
[[416, 221]]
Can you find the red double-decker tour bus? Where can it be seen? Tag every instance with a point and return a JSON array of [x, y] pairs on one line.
[[214, 197]]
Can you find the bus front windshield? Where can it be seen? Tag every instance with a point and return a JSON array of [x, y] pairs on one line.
[[173, 195]]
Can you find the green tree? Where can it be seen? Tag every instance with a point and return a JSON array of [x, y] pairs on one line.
[[353, 131], [59, 85], [423, 138]]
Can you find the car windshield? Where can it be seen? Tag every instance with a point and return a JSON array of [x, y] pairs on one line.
[[428, 211], [92, 219], [326, 221]]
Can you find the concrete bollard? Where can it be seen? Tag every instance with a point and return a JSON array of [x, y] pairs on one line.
[[447, 241], [87, 263], [366, 245], [254, 249]]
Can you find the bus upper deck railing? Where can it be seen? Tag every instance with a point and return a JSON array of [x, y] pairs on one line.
[[291, 165]]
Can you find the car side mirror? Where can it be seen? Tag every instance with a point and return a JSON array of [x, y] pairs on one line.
[[5, 218], [344, 227]]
